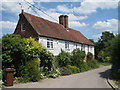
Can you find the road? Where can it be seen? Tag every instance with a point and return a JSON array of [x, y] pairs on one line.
[[91, 79]]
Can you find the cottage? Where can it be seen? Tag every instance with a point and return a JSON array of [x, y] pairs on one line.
[[52, 35]]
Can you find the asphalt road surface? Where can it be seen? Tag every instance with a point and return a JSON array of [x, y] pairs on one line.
[[91, 79]]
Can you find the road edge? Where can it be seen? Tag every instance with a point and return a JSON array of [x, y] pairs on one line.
[[112, 84]]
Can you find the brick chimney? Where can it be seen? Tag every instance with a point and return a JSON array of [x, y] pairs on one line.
[[66, 21], [63, 20]]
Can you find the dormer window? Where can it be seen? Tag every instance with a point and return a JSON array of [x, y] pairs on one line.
[[23, 27]]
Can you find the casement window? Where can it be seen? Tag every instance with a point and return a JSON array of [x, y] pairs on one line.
[[49, 43], [23, 27], [83, 47], [66, 45]]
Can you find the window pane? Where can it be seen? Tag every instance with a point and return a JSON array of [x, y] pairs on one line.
[[67, 45], [51, 44], [23, 27], [48, 45]]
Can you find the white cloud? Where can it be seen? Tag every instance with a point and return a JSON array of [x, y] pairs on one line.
[[73, 17], [63, 8], [45, 0], [89, 6], [14, 6], [96, 36], [7, 25], [73, 20], [109, 25], [76, 24]]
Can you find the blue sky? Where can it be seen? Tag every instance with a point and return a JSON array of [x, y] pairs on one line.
[[90, 17]]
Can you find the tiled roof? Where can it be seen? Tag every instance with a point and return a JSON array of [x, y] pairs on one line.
[[54, 30]]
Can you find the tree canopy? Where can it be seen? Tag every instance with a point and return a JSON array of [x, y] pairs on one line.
[[103, 42]]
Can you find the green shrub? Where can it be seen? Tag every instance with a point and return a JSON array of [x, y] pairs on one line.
[[89, 56], [63, 58], [64, 71], [115, 73], [12, 50], [101, 56], [46, 60], [77, 57], [19, 51], [73, 69], [54, 73], [93, 64], [108, 59], [84, 67], [30, 71], [32, 49], [0, 74]]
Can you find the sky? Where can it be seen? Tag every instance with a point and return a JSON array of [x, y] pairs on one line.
[[90, 17]]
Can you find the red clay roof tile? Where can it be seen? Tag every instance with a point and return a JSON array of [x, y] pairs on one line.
[[54, 30]]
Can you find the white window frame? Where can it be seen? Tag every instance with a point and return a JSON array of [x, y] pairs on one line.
[[49, 43], [23, 27], [66, 45]]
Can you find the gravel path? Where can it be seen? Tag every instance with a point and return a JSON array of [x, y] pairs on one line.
[[91, 79]]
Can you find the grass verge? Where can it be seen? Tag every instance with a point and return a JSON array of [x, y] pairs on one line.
[[104, 63], [117, 82]]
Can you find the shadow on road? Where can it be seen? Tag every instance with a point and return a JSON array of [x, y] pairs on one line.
[[105, 74]]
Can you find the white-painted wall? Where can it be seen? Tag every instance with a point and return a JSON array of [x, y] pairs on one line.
[[60, 44]]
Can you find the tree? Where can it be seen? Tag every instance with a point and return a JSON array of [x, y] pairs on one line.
[[92, 40], [103, 42], [114, 48]]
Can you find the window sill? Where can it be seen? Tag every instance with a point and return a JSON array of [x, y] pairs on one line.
[[50, 48], [67, 49]]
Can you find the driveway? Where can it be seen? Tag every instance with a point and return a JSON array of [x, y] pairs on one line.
[[91, 79]]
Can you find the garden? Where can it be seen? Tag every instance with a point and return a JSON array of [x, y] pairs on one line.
[[32, 62]]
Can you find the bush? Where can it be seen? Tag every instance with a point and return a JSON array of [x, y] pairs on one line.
[[54, 73], [84, 67], [19, 51], [104, 56], [64, 71], [32, 49], [63, 58], [47, 59], [30, 71], [101, 56], [77, 57], [89, 56], [16, 50], [93, 64], [0, 74], [73, 69], [115, 73], [12, 50]]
